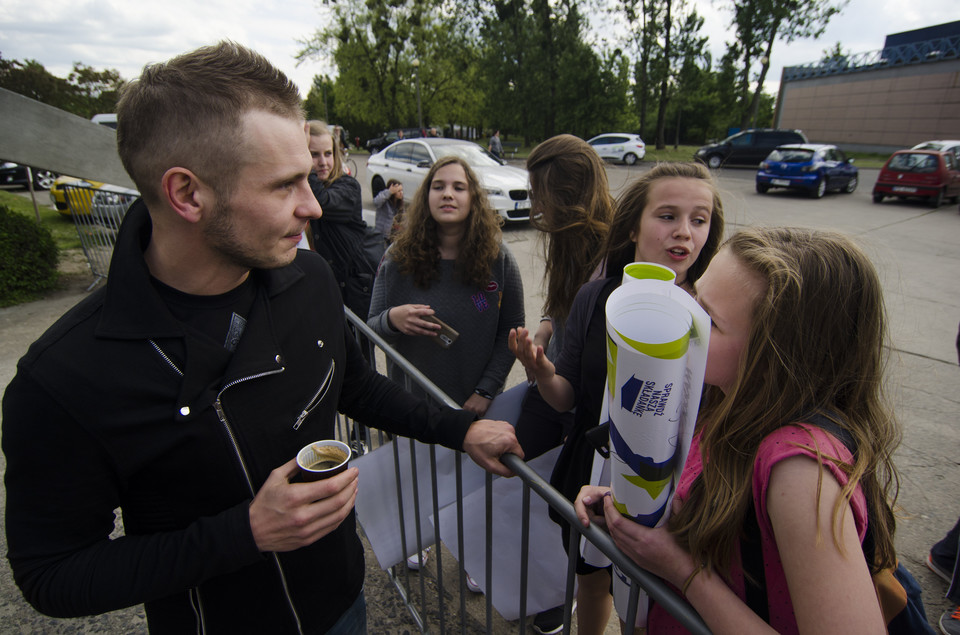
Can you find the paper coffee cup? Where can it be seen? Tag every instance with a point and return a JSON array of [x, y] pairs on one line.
[[323, 459]]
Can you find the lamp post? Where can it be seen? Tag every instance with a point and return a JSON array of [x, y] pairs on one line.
[[416, 71]]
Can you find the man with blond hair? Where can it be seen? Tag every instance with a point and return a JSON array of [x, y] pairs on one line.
[[182, 390]]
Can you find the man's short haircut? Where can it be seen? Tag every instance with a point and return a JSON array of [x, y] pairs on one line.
[[186, 112]]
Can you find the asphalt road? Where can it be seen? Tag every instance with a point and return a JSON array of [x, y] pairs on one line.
[[917, 252]]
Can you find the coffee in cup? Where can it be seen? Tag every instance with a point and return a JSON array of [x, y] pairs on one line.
[[323, 459]]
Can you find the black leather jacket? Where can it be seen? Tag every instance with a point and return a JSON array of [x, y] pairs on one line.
[[109, 409]]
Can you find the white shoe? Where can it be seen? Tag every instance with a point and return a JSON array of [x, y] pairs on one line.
[[472, 584], [413, 562]]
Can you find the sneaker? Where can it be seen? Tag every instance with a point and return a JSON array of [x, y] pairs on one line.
[[936, 568], [413, 562], [472, 584], [551, 621], [950, 622]]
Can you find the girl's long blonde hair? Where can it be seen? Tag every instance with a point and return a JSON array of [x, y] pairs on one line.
[[417, 248], [816, 345], [573, 208]]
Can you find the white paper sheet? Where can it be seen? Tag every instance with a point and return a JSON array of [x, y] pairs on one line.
[[547, 561]]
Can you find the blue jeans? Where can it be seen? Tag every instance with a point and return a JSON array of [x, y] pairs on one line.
[[944, 553], [354, 619]]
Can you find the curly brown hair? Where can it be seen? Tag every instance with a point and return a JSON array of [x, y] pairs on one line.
[[573, 208], [417, 248]]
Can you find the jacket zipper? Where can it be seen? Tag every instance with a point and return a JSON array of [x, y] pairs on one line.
[[317, 396], [197, 606], [170, 363], [218, 406]]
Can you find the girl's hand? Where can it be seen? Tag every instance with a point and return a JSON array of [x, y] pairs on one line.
[[408, 319], [589, 505], [530, 356], [653, 548], [477, 404]]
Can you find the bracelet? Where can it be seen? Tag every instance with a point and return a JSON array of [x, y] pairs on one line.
[[483, 393], [686, 583]]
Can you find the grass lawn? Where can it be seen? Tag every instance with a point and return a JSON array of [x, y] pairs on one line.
[[60, 226]]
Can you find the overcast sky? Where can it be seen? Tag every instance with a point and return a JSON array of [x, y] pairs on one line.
[[126, 34]]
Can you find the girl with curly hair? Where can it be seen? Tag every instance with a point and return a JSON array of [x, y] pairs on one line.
[[448, 262]]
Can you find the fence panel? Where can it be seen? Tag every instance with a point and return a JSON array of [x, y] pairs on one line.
[[97, 214], [378, 352]]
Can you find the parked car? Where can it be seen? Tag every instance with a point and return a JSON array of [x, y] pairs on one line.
[[748, 147], [941, 145], [811, 167], [379, 143], [409, 160], [619, 146], [919, 173], [58, 195], [16, 174]]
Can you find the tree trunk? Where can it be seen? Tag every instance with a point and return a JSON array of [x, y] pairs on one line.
[[755, 103], [662, 110]]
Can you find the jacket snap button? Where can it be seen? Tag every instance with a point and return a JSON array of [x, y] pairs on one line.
[[320, 343], [185, 411], [278, 359]]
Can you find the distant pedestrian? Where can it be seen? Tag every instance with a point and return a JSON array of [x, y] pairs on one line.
[[389, 204], [942, 560], [495, 147]]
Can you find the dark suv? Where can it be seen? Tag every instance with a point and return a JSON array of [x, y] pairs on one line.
[[748, 147], [379, 143]]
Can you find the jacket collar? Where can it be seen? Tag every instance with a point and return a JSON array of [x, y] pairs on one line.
[[132, 309]]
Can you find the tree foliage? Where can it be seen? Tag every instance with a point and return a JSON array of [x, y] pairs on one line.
[[85, 92], [529, 67], [374, 46], [760, 23]]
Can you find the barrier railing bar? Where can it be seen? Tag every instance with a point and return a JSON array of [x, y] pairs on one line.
[[460, 553], [525, 550], [488, 561], [436, 517]]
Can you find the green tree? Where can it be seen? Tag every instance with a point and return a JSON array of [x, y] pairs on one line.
[[98, 91], [85, 92], [760, 23], [30, 79], [373, 48]]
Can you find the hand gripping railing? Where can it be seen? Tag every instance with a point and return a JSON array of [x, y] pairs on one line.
[[659, 591]]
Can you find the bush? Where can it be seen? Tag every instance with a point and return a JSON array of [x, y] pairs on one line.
[[28, 258]]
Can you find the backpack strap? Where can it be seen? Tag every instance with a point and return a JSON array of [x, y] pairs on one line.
[[751, 546]]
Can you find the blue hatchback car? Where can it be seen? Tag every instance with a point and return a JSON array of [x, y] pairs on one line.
[[812, 167]]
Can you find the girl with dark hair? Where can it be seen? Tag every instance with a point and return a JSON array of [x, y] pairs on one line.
[[672, 215], [798, 337], [448, 262]]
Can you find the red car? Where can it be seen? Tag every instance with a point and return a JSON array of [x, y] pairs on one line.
[[919, 173]]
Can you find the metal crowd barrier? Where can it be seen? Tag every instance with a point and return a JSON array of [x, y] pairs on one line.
[[97, 214], [659, 591]]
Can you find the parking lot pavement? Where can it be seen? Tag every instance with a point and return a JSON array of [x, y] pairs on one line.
[[917, 252]]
